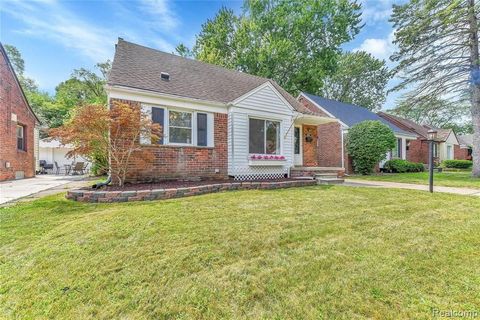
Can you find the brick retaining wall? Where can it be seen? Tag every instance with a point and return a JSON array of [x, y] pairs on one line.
[[162, 194]]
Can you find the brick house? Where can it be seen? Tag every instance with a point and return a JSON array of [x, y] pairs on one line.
[[18, 129], [464, 150], [331, 142], [217, 123], [446, 147]]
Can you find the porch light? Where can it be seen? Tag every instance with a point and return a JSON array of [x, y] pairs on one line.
[[432, 135]]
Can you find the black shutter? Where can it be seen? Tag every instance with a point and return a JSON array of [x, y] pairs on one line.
[[202, 129], [157, 117]]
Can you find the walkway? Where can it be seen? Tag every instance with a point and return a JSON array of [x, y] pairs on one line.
[[17, 189], [398, 185]]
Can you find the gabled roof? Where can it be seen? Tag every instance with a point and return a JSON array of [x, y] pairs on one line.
[[139, 67], [466, 140], [10, 67], [406, 124], [351, 114], [411, 126]]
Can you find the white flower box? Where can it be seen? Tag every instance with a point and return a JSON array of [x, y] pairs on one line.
[[266, 162]]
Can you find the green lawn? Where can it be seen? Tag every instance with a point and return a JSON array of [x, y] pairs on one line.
[[447, 179], [305, 253]]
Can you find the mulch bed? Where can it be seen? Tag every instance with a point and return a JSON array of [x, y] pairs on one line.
[[176, 184]]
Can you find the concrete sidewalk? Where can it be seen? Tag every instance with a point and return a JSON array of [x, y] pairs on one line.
[[17, 189], [386, 184]]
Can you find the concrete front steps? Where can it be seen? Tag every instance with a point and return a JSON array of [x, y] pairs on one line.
[[323, 175]]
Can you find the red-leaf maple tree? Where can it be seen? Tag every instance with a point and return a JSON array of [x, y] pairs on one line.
[[95, 129]]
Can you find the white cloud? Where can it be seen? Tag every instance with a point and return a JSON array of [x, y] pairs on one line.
[[161, 13], [50, 20], [379, 48], [376, 10]]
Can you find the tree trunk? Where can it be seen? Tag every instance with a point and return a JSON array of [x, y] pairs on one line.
[[475, 87]]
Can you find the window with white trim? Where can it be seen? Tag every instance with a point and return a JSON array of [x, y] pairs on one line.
[[21, 138], [264, 136], [179, 127]]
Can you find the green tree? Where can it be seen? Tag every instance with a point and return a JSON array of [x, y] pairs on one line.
[[360, 79], [15, 57], [216, 42], [368, 143], [296, 43], [438, 55], [84, 87]]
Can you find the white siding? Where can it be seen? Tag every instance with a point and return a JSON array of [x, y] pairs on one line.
[[266, 100], [443, 148], [264, 104]]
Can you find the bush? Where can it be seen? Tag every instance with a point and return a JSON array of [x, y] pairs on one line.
[[457, 164], [401, 166], [368, 143]]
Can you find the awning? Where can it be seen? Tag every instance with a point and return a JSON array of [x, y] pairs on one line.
[[313, 120]]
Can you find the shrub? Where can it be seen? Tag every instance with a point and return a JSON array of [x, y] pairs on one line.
[[368, 143], [401, 166], [457, 164]]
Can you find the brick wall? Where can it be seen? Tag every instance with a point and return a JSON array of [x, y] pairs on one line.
[[13, 102], [461, 153], [163, 162], [329, 145], [417, 151]]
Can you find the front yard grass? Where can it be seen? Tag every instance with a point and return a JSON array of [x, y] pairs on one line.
[[304, 253], [461, 179]]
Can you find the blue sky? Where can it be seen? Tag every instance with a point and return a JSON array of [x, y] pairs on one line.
[[56, 37]]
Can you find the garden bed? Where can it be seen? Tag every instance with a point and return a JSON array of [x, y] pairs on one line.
[[177, 189]]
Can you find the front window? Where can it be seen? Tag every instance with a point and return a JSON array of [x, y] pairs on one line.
[[449, 152], [180, 127], [20, 137], [264, 136], [399, 148]]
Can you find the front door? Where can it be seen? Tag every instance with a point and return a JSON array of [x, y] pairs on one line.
[[298, 158]]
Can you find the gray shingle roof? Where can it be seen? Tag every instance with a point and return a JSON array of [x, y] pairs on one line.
[[466, 139], [139, 67], [351, 114], [412, 126]]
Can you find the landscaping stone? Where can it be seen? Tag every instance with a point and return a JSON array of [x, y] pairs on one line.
[[160, 194]]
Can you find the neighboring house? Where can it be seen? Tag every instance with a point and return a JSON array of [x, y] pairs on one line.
[[349, 115], [464, 150], [216, 123], [18, 126], [51, 151], [446, 145]]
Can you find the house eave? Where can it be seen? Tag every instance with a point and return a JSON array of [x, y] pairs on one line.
[[309, 119]]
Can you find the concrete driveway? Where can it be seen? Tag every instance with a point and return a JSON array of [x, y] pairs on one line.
[[16, 189]]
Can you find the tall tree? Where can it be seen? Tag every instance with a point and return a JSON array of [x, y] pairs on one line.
[[18, 64], [360, 79], [296, 43], [84, 87], [438, 55]]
